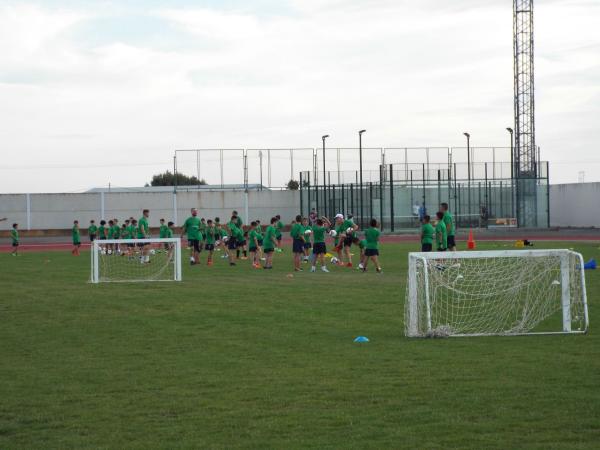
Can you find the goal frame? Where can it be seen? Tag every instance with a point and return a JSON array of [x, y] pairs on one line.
[[95, 260], [412, 298]]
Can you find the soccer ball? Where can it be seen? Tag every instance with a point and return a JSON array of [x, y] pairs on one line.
[[103, 252], [333, 233], [334, 260], [152, 251], [225, 239], [308, 232], [350, 230]]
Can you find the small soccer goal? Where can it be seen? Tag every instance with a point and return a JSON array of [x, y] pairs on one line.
[[136, 260], [513, 292]]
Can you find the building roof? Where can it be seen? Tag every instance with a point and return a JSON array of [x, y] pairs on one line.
[[202, 187]]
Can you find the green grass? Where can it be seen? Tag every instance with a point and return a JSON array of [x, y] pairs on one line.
[[240, 358]]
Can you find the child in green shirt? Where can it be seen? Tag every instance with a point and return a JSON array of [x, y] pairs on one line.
[[14, 236], [441, 236], [76, 238], [427, 233], [372, 246]]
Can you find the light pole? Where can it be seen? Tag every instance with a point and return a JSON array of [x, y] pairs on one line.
[[512, 171], [468, 171], [362, 220], [512, 149], [324, 197]]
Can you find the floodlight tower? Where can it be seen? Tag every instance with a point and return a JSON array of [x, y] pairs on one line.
[[524, 157]]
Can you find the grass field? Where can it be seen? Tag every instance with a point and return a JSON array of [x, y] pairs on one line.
[[240, 358]]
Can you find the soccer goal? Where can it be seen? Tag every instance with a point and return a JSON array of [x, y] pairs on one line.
[[135, 260], [482, 293]]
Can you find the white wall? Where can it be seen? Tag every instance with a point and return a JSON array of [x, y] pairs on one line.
[[57, 211], [575, 205]]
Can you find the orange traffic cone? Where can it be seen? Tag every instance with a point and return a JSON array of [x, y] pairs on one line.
[[471, 241]]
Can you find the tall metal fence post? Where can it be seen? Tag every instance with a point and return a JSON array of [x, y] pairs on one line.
[[381, 178], [28, 205], [392, 197]]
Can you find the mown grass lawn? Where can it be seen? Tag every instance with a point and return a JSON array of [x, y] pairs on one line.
[[241, 358]]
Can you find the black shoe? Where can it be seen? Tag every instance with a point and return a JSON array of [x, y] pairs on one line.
[[232, 264]]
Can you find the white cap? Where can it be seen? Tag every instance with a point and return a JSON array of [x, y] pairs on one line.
[[339, 216]]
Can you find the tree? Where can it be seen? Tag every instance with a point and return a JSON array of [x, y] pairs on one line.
[[293, 185], [167, 179]]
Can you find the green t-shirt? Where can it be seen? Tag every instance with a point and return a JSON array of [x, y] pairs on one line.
[[238, 234], [124, 232], [441, 237], [372, 238], [297, 231], [191, 227], [168, 233], [131, 231], [116, 231], [202, 227], [102, 231], [143, 229], [93, 229], [14, 235], [239, 222], [347, 224], [269, 235], [253, 238], [318, 234], [210, 235], [449, 220], [278, 228], [75, 234], [362, 244], [427, 231], [162, 231]]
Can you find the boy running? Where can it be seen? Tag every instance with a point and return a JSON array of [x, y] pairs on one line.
[[76, 238], [191, 227], [14, 236], [319, 248], [372, 248], [427, 233]]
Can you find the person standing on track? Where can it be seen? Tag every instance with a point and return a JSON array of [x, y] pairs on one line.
[[450, 227]]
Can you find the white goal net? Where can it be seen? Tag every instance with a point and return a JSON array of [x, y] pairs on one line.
[[495, 293], [131, 260]]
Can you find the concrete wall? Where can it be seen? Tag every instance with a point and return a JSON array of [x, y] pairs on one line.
[[575, 205], [57, 211]]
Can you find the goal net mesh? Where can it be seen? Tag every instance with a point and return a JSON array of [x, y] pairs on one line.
[[495, 294], [136, 260]]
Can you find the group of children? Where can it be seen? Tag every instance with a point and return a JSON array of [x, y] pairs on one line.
[[238, 241], [443, 233]]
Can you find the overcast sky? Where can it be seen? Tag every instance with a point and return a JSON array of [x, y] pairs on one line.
[[99, 92]]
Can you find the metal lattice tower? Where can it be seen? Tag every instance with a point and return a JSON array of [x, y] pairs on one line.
[[524, 157]]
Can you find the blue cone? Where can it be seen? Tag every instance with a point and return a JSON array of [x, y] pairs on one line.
[[591, 264], [361, 339]]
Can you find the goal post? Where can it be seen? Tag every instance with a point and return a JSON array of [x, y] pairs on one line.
[[136, 260], [485, 293]]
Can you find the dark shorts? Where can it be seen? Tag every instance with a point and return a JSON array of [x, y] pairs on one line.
[[298, 246], [440, 249], [451, 242], [15, 244], [319, 248], [130, 245], [102, 238], [278, 238], [77, 244], [426, 247], [242, 243], [195, 244], [252, 249], [92, 237], [348, 240], [307, 245], [142, 244], [167, 245], [371, 252], [260, 242], [269, 250], [209, 247], [231, 244]]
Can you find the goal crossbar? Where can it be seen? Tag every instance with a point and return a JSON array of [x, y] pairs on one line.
[[458, 294]]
